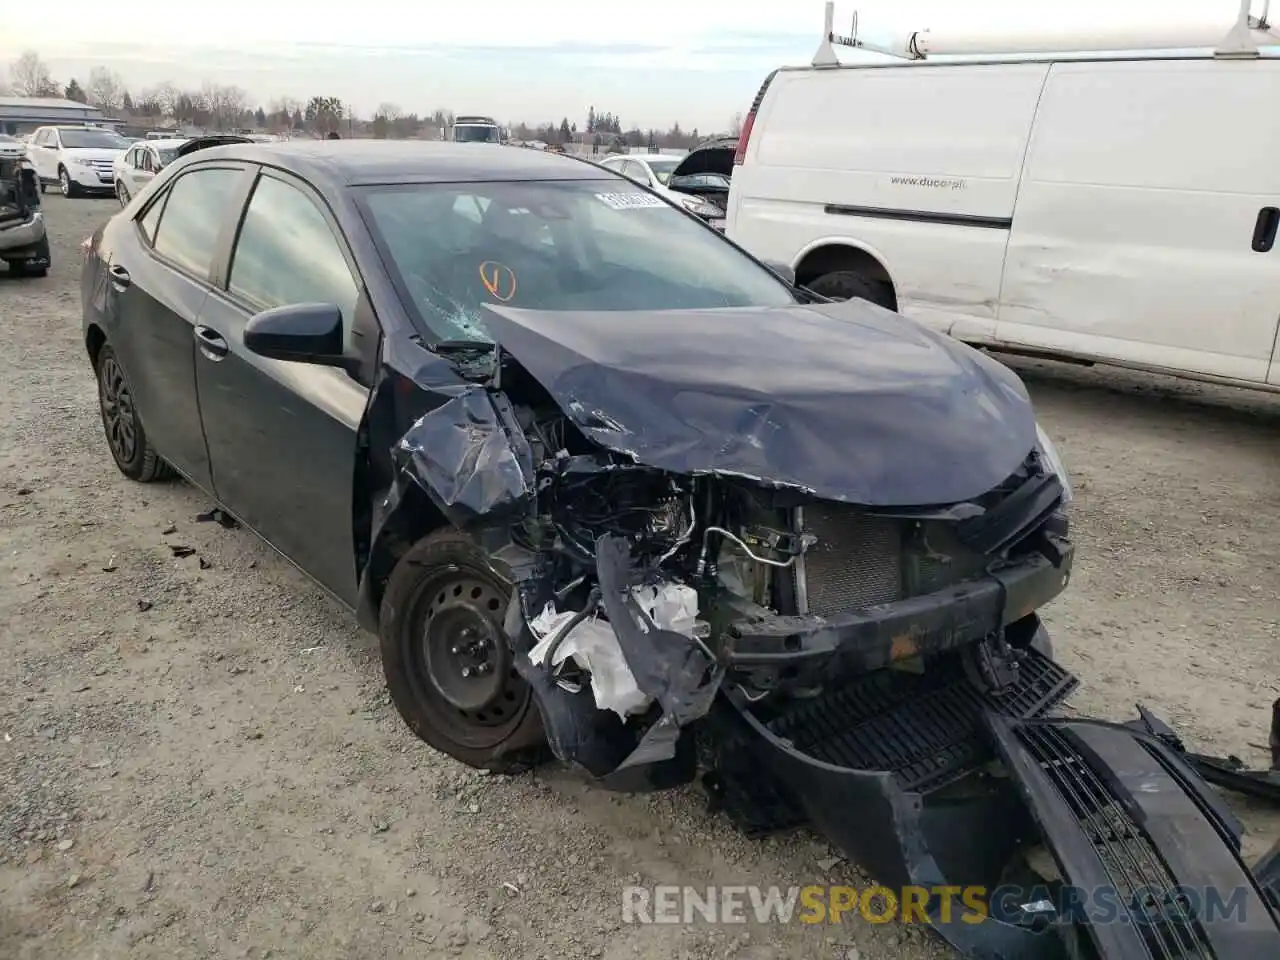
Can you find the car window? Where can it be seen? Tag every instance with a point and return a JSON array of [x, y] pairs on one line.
[[96, 139], [470, 207], [600, 245], [636, 171], [287, 253], [193, 215]]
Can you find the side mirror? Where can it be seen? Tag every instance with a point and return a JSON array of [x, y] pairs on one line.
[[782, 270], [300, 332]]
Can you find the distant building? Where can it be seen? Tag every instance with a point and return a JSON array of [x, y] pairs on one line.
[[23, 114]]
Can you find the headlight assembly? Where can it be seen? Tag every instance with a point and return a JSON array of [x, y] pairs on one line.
[[1053, 462]]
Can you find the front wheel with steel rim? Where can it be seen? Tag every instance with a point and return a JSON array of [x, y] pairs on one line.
[[126, 439], [122, 193], [449, 668], [69, 187]]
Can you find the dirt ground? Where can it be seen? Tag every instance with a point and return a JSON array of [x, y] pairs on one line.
[[198, 758]]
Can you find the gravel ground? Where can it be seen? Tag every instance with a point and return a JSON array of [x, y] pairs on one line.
[[220, 774]]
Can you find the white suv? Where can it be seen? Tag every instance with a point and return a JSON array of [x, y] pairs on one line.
[[80, 159]]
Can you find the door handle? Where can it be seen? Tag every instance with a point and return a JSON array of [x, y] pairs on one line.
[[119, 275], [211, 343], [1264, 229]]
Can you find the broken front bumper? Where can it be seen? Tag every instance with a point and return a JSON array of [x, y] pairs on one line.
[[1148, 854], [813, 650]]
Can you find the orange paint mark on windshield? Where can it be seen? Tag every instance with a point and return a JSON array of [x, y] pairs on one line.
[[498, 279]]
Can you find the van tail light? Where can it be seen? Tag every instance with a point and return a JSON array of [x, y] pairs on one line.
[[740, 154]]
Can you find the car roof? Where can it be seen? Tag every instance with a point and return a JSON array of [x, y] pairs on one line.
[[165, 142], [355, 162]]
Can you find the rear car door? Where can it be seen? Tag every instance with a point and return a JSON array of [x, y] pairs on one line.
[[159, 275], [282, 435], [148, 166], [133, 168]]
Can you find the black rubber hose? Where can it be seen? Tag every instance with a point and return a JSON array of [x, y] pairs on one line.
[[593, 601]]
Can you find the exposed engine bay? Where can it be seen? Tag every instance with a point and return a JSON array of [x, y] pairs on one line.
[[746, 585], [699, 586]]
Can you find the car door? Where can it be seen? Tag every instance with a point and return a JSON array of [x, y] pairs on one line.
[[282, 435], [43, 154], [147, 168], [132, 162], [159, 275]]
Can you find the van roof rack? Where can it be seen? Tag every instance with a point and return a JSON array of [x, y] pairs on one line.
[[1241, 42]]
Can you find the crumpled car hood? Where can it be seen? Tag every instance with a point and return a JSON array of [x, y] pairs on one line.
[[848, 401]]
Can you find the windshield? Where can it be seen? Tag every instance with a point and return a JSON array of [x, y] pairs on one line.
[[468, 133], [662, 167], [167, 154], [568, 245], [97, 139]]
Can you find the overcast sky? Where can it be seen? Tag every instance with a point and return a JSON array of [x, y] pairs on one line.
[[651, 62]]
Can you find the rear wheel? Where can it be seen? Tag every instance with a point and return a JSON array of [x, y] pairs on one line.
[[849, 284], [132, 451], [450, 670], [122, 193]]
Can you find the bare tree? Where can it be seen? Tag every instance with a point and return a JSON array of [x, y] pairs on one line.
[[388, 110], [31, 77], [165, 96], [225, 105], [106, 89]]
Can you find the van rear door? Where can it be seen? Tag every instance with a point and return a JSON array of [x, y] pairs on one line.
[[1141, 228]]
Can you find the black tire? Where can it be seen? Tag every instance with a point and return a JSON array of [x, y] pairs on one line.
[[70, 189], [442, 614], [23, 268], [20, 268], [848, 284], [122, 193], [127, 441]]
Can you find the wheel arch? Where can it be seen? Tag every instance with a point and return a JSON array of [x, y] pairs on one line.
[[413, 517], [95, 338], [842, 253]]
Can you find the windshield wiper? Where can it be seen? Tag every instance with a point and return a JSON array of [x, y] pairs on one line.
[[463, 346]]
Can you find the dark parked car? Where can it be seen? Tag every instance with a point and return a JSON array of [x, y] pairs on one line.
[[24, 245], [601, 482]]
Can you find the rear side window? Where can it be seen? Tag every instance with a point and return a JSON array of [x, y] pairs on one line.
[[287, 253], [193, 215]]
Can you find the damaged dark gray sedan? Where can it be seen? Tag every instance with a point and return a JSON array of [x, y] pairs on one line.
[[611, 490]]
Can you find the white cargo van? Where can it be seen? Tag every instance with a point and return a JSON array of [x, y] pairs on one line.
[[1119, 209]]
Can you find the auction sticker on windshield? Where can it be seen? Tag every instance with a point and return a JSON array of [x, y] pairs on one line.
[[630, 201]]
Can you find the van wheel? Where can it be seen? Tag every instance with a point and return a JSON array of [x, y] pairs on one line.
[[450, 670], [849, 284]]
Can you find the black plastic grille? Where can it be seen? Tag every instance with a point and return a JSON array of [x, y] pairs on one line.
[[923, 727], [1133, 866]]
